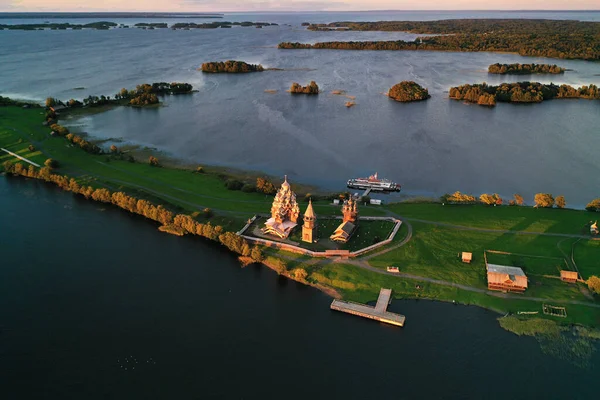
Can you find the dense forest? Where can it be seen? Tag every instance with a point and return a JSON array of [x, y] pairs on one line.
[[408, 91], [311, 88], [528, 37], [231, 66], [6, 101], [521, 92], [525, 69]]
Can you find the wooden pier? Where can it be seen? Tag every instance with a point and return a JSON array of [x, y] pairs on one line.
[[378, 313]]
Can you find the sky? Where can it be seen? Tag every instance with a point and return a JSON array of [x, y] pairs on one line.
[[288, 5]]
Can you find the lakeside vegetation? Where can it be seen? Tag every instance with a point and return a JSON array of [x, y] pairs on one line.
[[407, 91], [311, 88], [565, 39], [204, 197], [231, 66], [525, 69], [520, 92]]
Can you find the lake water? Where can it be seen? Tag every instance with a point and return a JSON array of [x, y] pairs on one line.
[[431, 148], [87, 291]]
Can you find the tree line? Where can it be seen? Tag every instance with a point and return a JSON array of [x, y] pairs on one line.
[[565, 39], [541, 200], [521, 92], [311, 88], [219, 24], [525, 69], [141, 207], [408, 91], [231, 66], [101, 25]]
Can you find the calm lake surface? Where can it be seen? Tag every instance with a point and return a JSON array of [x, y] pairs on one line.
[[86, 292], [431, 148]]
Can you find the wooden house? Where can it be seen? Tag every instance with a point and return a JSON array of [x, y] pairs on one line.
[[569, 276], [467, 257], [506, 279]]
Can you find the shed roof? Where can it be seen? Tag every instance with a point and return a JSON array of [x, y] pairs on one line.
[[569, 274], [467, 256]]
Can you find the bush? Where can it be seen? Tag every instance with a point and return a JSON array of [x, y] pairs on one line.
[[593, 205], [51, 163], [248, 188], [234, 184], [31, 147]]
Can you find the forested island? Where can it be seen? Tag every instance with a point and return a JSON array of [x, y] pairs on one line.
[[311, 88], [105, 25], [219, 24], [527, 37], [525, 69], [231, 66], [406, 91], [521, 92], [101, 25]]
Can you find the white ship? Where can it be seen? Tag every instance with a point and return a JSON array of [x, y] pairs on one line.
[[374, 183]]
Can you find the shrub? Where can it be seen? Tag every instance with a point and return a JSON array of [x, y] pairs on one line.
[[594, 284], [51, 163], [248, 188], [234, 184], [153, 161]]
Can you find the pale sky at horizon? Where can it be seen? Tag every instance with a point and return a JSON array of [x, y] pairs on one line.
[[287, 5]]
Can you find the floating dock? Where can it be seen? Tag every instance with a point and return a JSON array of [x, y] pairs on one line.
[[378, 313]]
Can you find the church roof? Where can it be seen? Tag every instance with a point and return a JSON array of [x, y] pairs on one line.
[[309, 211]]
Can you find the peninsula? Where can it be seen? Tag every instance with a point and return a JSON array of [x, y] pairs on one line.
[[528, 37], [407, 91], [453, 252]]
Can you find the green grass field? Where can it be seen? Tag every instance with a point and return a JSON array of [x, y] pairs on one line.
[[527, 219]]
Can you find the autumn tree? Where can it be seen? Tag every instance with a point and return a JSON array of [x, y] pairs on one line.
[[544, 200], [265, 186], [593, 205], [594, 284], [256, 254], [153, 161], [490, 199], [50, 102], [519, 199], [113, 149], [51, 163], [560, 202], [300, 274]]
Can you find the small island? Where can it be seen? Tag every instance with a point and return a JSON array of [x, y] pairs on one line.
[[311, 88], [231, 66], [406, 91], [525, 69], [521, 92]]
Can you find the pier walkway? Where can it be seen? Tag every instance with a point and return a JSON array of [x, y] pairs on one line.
[[20, 158], [378, 313]]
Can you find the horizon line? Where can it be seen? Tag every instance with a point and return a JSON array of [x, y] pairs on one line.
[[294, 11]]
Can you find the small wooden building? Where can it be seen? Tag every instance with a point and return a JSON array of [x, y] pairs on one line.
[[569, 276], [506, 279], [467, 257]]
